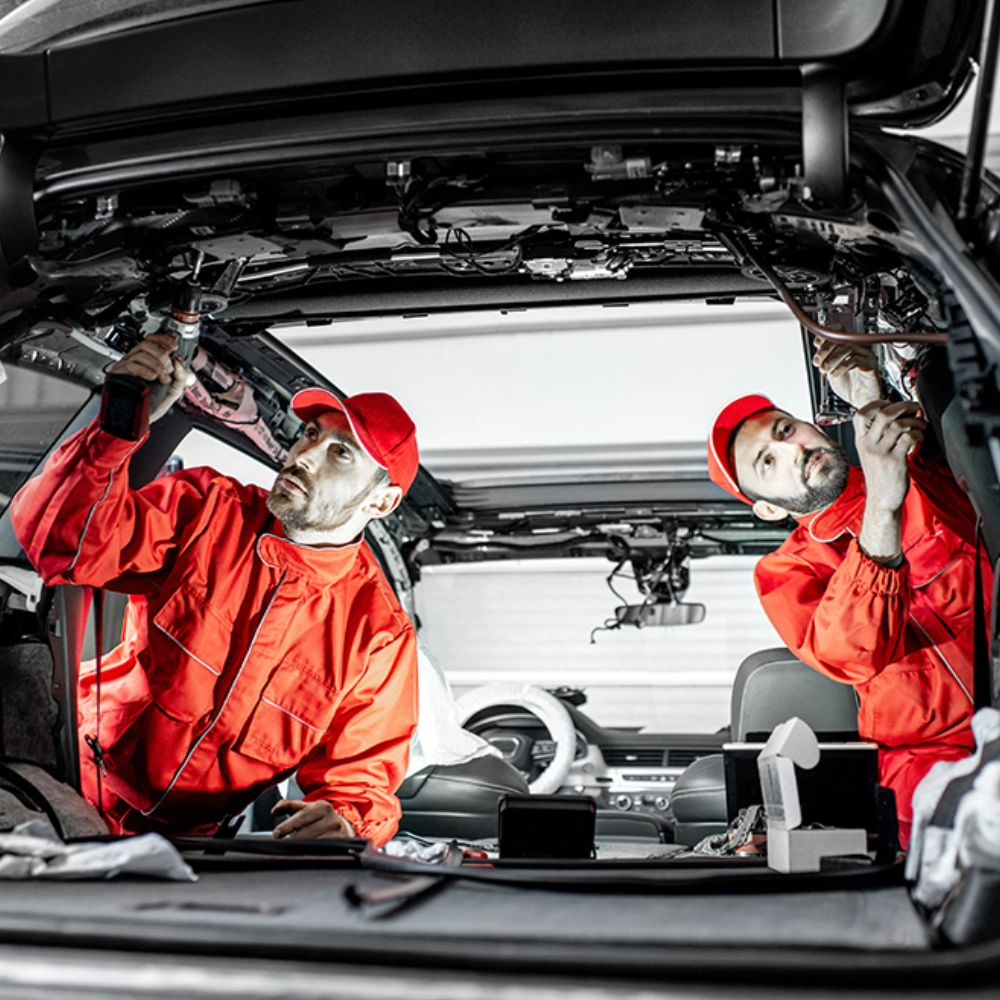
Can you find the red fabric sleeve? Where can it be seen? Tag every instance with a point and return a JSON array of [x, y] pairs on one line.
[[79, 522], [363, 760], [849, 625]]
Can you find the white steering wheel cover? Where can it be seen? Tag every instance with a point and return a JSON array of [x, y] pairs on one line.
[[547, 707]]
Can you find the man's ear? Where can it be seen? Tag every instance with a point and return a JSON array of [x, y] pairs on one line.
[[769, 511], [383, 502]]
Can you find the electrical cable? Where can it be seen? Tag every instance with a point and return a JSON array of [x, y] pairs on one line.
[[611, 577], [455, 234], [740, 251]]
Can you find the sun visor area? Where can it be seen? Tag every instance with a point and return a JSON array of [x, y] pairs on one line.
[[308, 303]]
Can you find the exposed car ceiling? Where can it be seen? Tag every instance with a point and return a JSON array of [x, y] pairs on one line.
[[483, 227]]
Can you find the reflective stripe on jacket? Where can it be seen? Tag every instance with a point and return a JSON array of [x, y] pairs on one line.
[[245, 657], [903, 637]]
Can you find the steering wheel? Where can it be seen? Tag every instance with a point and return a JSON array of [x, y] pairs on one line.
[[547, 708]]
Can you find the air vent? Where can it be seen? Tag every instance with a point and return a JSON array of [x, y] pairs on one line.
[[619, 756], [683, 758]]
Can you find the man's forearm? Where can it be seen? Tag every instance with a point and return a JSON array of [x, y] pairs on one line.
[[881, 534], [53, 513]]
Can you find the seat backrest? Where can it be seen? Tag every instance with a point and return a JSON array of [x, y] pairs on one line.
[[773, 685]]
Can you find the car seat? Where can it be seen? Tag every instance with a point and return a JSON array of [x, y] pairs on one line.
[[458, 800], [770, 687]]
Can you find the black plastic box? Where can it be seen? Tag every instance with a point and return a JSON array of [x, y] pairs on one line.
[[547, 826]]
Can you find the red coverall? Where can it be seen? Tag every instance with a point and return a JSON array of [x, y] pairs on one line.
[[903, 637], [245, 657]]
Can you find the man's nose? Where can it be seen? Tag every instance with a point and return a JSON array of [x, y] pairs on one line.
[[793, 447], [307, 455]]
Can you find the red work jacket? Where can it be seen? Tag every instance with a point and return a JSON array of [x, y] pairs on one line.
[[903, 637], [245, 657]]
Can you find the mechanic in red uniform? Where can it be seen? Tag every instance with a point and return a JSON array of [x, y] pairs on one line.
[[261, 639], [875, 585]]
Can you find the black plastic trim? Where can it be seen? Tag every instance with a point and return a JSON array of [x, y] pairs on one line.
[[239, 58], [953, 970]]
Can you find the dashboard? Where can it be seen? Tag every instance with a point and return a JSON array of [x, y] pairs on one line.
[[625, 770]]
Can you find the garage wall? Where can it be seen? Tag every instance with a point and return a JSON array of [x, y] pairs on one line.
[[563, 377]]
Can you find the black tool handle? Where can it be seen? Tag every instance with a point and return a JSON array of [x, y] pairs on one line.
[[125, 406]]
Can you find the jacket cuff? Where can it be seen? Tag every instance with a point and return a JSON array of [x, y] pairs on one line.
[[871, 577], [353, 817], [105, 450], [378, 829]]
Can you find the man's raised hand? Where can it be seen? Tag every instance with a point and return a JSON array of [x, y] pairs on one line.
[[151, 360], [852, 370]]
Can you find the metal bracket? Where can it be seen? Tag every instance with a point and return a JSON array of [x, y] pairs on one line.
[[824, 134]]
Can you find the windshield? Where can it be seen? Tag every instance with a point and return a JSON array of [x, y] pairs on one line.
[[34, 409], [563, 397]]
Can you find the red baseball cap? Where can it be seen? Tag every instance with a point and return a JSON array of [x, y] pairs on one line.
[[382, 427], [721, 467]]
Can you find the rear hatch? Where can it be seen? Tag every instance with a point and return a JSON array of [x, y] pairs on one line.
[[902, 63]]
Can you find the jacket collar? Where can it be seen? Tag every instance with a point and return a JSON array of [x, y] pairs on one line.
[[320, 564], [843, 515]]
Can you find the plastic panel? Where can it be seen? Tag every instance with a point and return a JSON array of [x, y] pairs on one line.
[[272, 47], [823, 29]]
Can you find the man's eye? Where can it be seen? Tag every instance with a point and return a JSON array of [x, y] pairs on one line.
[[767, 463]]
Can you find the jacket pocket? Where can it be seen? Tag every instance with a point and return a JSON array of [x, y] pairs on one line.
[[904, 705], [189, 645], [294, 714], [942, 578]]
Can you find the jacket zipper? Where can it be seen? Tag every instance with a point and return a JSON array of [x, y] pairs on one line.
[[97, 503], [225, 701]]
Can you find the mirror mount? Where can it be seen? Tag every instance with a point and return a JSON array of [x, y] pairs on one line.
[[660, 563]]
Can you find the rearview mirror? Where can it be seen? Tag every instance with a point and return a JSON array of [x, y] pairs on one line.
[[660, 614]]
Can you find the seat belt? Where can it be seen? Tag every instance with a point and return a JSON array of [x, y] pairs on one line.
[[982, 675]]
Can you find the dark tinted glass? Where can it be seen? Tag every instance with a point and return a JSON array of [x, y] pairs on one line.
[[34, 409]]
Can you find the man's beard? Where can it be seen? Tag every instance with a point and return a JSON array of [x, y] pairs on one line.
[[816, 496], [309, 513]]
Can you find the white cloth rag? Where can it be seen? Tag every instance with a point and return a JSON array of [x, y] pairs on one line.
[[35, 850]]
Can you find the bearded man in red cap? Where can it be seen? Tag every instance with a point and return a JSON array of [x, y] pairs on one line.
[[875, 586], [262, 638]]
